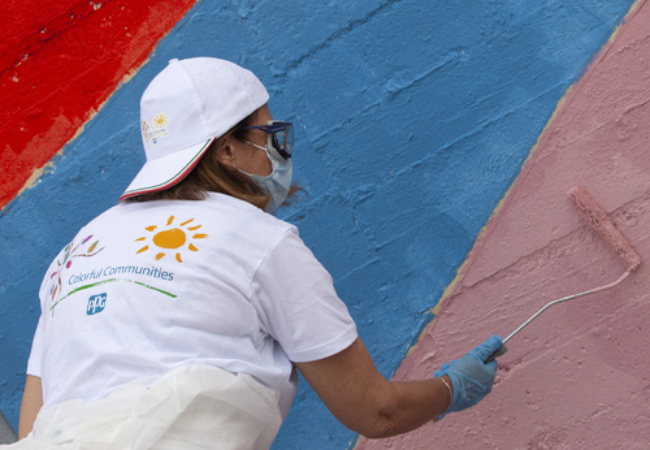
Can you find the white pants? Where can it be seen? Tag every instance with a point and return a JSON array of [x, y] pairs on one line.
[[190, 408]]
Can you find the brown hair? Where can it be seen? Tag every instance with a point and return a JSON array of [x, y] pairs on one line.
[[210, 175]]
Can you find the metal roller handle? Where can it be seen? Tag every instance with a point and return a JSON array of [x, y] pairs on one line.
[[501, 350]]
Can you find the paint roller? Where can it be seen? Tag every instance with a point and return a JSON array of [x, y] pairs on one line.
[[598, 221]]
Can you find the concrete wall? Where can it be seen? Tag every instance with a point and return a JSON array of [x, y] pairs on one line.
[[59, 63], [413, 121], [576, 377]]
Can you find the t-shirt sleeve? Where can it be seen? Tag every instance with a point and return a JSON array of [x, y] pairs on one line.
[[298, 304], [35, 358]]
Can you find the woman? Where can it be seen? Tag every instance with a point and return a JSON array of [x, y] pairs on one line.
[[179, 317]]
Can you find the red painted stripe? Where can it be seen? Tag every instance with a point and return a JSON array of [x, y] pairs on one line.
[[59, 61]]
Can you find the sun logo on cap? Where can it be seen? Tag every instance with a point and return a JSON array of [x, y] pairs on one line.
[[160, 120], [172, 238]]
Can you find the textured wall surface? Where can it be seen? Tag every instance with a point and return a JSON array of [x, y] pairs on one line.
[[58, 64], [413, 121], [576, 377]]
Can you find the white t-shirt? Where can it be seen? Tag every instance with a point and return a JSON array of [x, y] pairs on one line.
[[148, 287]]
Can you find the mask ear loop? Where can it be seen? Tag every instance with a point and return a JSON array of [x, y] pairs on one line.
[[255, 145], [269, 149]]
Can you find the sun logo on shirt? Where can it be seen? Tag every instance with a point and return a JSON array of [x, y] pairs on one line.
[[172, 238], [160, 120]]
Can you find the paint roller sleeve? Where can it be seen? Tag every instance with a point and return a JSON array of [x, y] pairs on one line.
[[598, 221]]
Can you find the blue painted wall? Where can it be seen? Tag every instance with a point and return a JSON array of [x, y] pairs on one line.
[[413, 119]]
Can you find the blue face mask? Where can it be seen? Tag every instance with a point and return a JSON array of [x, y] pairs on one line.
[[278, 183]]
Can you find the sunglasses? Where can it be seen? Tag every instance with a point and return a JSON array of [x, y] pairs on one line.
[[280, 138]]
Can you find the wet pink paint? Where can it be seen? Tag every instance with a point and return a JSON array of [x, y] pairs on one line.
[[578, 376]]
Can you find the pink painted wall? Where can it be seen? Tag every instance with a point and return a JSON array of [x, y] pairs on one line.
[[579, 376]]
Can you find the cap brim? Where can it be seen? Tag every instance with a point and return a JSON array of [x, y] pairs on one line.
[[163, 173]]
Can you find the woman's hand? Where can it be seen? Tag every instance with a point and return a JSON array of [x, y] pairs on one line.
[[472, 379]]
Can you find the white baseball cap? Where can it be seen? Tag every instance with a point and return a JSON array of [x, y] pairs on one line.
[[186, 107]]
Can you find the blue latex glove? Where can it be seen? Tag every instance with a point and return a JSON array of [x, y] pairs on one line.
[[471, 378]]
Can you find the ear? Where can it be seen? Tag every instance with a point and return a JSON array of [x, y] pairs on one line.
[[226, 152]]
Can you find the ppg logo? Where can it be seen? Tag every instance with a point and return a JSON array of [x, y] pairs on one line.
[[96, 304]]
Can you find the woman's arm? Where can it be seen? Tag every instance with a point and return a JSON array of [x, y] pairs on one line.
[[32, 403], [364, 401]]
